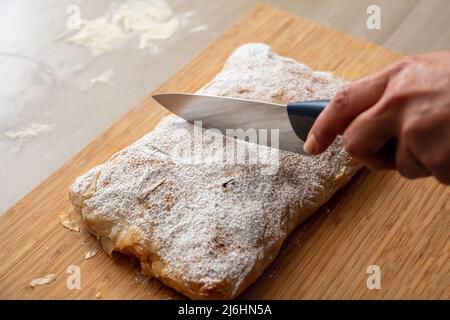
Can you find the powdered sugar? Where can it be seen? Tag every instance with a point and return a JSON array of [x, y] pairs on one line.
[[255, 72], [213, 223]]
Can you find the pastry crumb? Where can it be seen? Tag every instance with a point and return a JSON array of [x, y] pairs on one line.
[[141, 278], [43, 281], [98, 295], [67, 222], [107, 245], [90, 253]]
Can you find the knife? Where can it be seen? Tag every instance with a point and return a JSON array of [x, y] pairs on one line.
[[293, 120]]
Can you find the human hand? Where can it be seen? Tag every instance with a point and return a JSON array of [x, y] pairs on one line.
[[398, 118]]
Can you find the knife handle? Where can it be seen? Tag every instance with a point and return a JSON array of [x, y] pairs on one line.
[[302, 115]]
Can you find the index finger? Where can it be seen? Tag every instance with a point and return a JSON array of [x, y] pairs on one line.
[[343, 108]]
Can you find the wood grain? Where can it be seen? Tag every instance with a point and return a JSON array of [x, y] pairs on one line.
[[379, 218]]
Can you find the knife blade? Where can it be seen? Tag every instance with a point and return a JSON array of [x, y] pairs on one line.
[[293, 121]]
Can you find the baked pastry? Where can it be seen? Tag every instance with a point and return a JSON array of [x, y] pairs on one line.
[[204, 227]]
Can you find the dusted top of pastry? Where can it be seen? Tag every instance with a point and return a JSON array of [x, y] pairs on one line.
[[206, 227]]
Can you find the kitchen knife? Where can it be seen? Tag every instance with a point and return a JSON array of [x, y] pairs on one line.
[[293, 120]]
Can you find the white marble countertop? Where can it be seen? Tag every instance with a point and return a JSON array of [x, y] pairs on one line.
[[46, 81]]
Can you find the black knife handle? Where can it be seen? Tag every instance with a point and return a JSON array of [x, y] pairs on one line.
[[302, 115]]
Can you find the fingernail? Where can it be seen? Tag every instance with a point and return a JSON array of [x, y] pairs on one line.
[[311, 145]]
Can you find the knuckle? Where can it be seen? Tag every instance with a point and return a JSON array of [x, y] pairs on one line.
[[367, 117], [412, 129], [349, 145], [402, 80], [341, 99], [400, 66], [392, 101], [404, 63], [399, 90]]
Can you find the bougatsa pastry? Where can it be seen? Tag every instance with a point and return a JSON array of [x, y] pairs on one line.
[[208, 229]]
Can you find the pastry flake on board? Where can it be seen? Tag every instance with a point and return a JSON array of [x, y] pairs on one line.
[[43, 281], [68, 222]]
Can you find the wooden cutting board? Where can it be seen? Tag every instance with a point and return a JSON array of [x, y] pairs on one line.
[[378, 219]]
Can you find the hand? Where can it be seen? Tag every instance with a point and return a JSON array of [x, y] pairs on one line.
[[398, 118]]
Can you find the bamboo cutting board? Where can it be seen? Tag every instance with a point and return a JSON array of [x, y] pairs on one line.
[[378, 219]]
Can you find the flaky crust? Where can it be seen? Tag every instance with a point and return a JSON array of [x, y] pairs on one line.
[[204, 228]]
